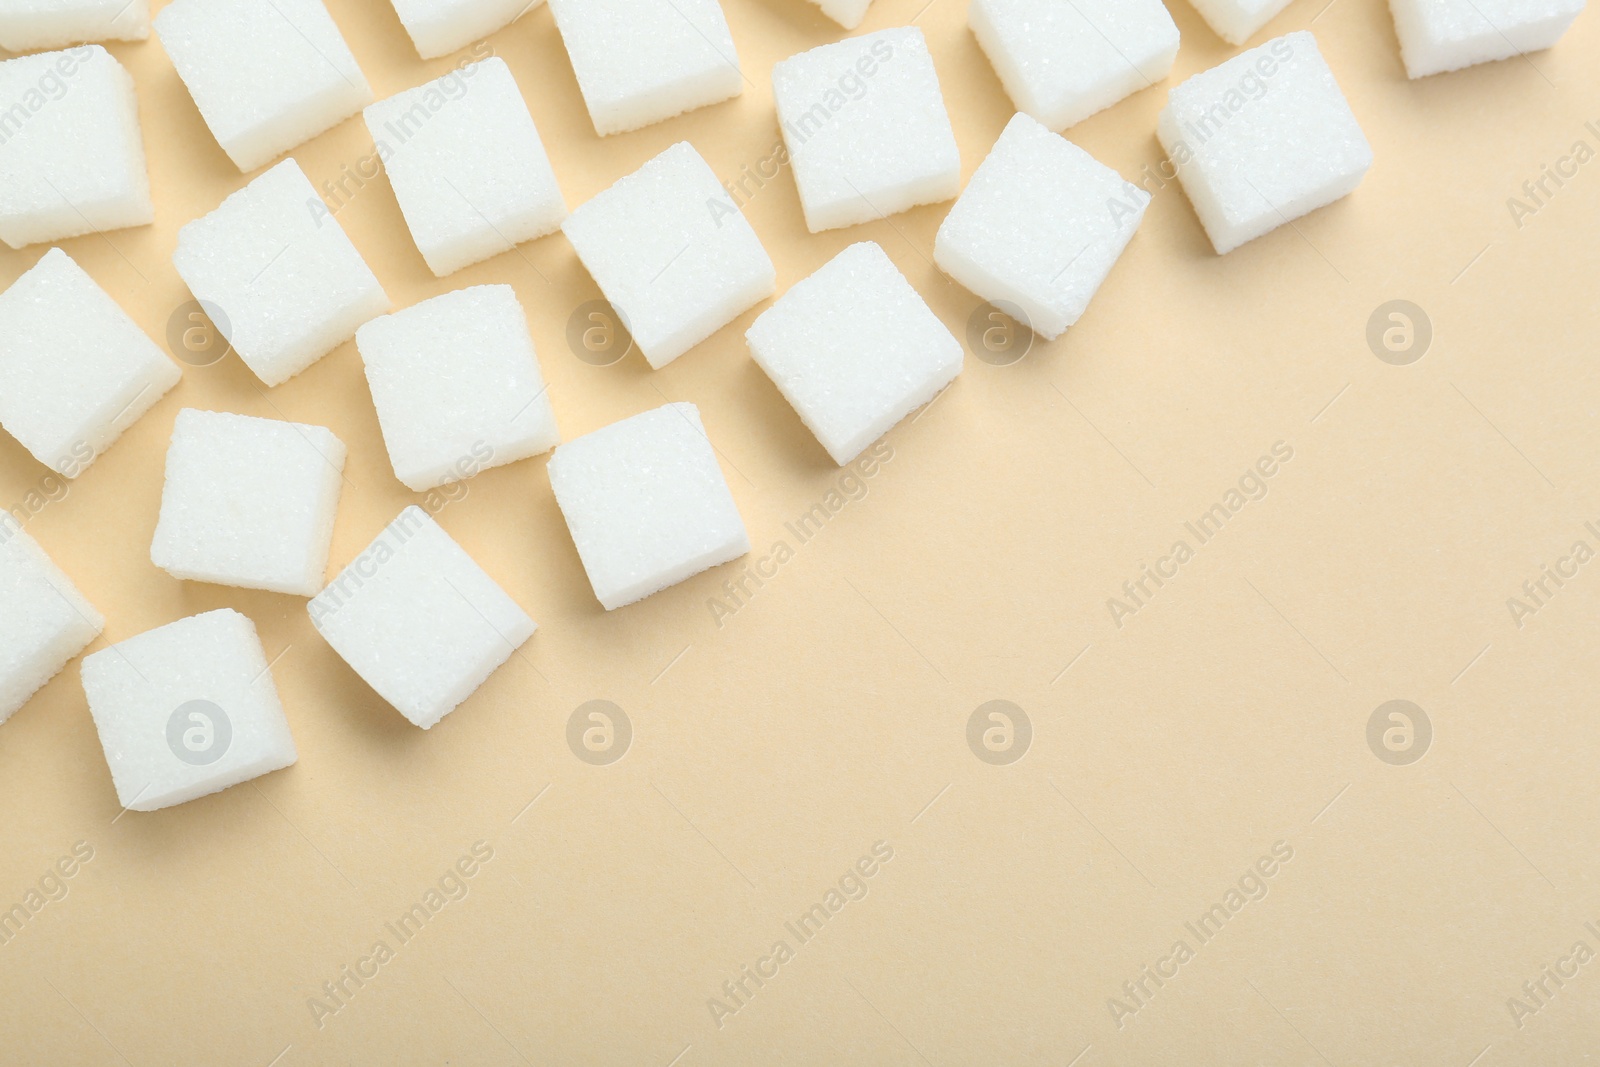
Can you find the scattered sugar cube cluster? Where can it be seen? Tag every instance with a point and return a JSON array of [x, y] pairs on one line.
[[190, 708]]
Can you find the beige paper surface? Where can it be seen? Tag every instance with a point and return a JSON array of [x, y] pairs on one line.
[[1215, 742]]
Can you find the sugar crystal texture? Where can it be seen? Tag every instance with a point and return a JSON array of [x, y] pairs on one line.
[[641, 61], [187, 710], [1443, 35], [457, 386], [672, 253], [1062, 62], [847, 13], [416, 618], [248, 502], [27, 25], [75, 370], [1236, 21], [45, 621], [646, 503], [278, 275], [71, 152], [1263, 139], [267, 75], [467, 165], [439, 27], [854, 349], [866, 128], [1039, 227]]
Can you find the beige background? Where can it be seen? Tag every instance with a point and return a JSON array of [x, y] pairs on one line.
[[830, 712]]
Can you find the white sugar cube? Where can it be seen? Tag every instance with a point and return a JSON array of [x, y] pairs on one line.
[[457, 386], [71, 154], [416, 618], [467, 166], [187, 710], [847, 13], [1262, 139], [1442, 35], [1236, 21], [1039, 226], [646, 504], [75, 370], [672, 253], [27, 25], [288, 282], [248, 502], [1062, 62], [866, 129], [267, 75], [439, 27], [854, 349], [46, 621], [642, 61]]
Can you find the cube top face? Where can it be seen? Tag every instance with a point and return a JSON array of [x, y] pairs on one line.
[[288, 281], [71, 152], [248, 502], [1039, 226], [439, 27], [1236, 21], [26, 25], [866, 128], [1062, 62], [467, 165], [1263, 139], [75, 370], [1443, 35], [854, 349], [646, 503], [266, 76], [457, 386], [847, 13], [46, 620], [419, 620], [641, 61], [672, 253], [186, 710]]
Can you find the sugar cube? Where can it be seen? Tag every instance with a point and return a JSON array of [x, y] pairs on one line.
[[847, 13], [27, 25], [287, 280], [1236, 21], [187, 710], [1039, 226], [71, 154], [267, 75], [1262, 139], [646, 503], [672, 253], [457, 386], [1442, 35], [439, 27], [1062, 62], [46, 620], [75, 370], [854, 349], [248, 502], [642, 61], [416, 618], [467, 166]]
